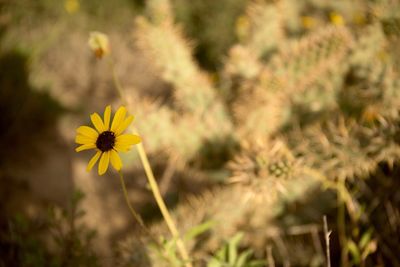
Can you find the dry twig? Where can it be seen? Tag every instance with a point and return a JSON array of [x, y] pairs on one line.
[[327, 234]]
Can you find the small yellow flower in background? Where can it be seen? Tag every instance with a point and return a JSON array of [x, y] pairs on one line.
[[106, 140], [71, 6], [242, 27], [99, 44], [308, 22], [336, 19], [359, 18]]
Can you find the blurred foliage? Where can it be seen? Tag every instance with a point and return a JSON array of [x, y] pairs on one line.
[[229, 255], [213, 33], [314, 102], [167, 252], [57, 238]]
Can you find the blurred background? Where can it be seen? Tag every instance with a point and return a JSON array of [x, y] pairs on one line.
[[259, 118]]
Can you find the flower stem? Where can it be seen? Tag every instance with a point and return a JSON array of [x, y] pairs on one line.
[[135, 215], [161, 204], [341, 221], [153, 185], [116, 80]]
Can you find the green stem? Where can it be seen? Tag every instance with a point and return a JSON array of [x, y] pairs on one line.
[[161, 204], [116, 80], [341, 221], [153, 184], [135, 215]]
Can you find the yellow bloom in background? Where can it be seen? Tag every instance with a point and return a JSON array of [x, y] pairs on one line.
[[71, 6], [99, 44], [336, 19], [242, 27], [359, 18], [106, 139], [308, 22]]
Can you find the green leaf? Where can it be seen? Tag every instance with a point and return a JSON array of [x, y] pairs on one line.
[[369, 249], [243, 258], [354, 251], [222, 253], [366, 237], [199, 229], [232, 248], [256, 263], [214, 263]]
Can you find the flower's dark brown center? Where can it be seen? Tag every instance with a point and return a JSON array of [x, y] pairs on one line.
[[105, 141]]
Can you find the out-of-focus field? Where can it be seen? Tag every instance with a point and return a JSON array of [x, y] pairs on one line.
[[258, 117]]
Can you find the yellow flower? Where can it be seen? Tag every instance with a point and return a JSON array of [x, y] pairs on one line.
[[105, 139], [99, 44], [359, 18], [336, 19], [71, 6], [242, 27], [308, 22]]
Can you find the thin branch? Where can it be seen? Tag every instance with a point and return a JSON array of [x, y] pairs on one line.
[[327, 234], [317, 241], [270, 257], [168, 174], [283, 251]]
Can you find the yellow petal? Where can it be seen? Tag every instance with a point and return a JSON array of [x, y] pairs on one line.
[[104, 160], [97, 122], [107, 117], [93, 160], [118, 118], [87, 131], [122, 148], [84, 140], [115, 160], [122, 127], [85, 147], [128, 139]]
